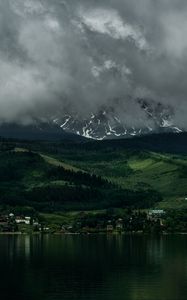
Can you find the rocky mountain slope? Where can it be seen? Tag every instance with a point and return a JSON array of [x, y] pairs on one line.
[[107, 123]]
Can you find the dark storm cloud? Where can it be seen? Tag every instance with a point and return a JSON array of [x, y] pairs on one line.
[[87, 53]]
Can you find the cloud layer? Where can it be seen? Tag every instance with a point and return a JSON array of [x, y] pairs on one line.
[[85, 54]]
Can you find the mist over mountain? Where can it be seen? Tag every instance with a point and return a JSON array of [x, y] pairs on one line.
[[85, 58], [109, 123]]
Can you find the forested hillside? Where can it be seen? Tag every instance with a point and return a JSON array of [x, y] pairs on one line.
[[69, 175]]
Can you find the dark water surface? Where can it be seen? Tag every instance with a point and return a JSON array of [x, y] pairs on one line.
[[93, 267]]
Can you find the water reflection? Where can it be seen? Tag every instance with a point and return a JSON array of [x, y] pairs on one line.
[[93, 267]]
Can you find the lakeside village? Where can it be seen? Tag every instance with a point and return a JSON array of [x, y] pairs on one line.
[[152, 221]]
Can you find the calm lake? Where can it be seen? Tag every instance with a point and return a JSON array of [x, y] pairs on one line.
[[93, 267]]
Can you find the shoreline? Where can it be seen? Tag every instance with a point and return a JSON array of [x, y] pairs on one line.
[[92, 233]]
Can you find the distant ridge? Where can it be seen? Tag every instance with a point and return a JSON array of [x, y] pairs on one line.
[[42, 131], [158, 142]]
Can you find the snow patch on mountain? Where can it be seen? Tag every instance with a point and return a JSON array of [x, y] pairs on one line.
[[107, 124]]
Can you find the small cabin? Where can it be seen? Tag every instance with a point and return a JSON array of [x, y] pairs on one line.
[[119, 224], [109, 227], [156, 212]]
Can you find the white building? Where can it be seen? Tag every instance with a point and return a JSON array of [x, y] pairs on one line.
[[23, 220]]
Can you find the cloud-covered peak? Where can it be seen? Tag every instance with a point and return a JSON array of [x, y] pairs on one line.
[[86, 54]]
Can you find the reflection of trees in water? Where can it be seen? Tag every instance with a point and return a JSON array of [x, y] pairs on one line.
[[94, 267]]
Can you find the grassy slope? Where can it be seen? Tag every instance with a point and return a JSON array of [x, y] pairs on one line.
[[34, 178], [164, 173], [50, 160], [140, 170]]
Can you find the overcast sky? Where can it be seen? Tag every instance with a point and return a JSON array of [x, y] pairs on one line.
[[88, 53]]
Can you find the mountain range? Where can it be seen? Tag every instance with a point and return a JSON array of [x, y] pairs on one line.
[[105, 124]]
